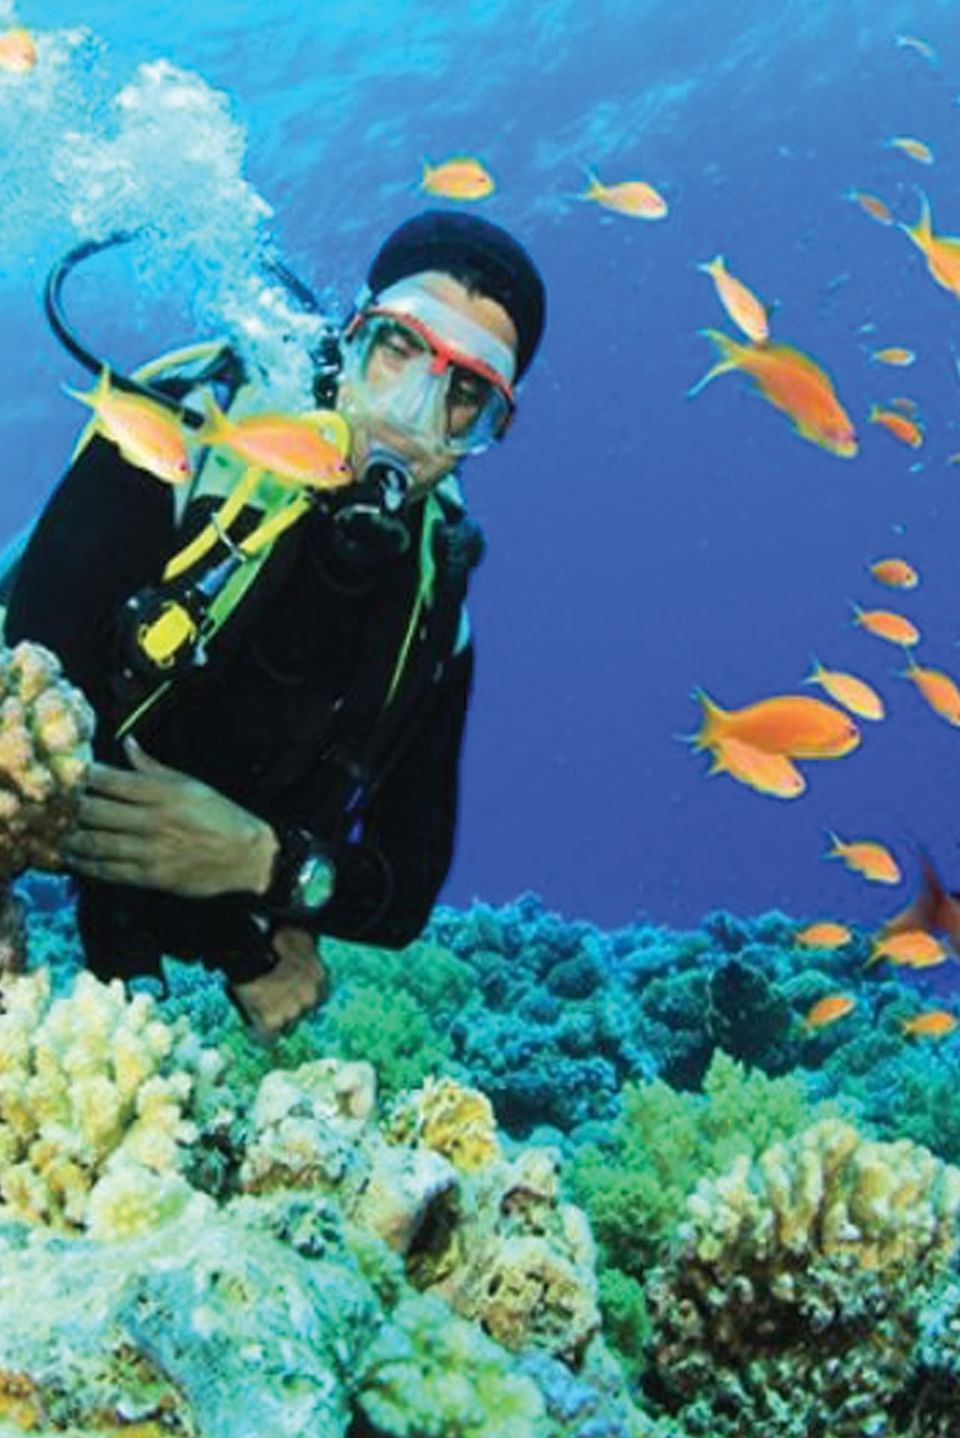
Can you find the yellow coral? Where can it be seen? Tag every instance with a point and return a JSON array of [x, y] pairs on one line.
[[455, 1121]]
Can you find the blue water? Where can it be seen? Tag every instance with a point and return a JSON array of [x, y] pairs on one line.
[[640, 544]]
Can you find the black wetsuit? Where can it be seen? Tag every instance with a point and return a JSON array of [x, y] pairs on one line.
[[286, 717]]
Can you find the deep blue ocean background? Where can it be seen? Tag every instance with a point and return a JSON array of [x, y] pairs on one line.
[[640, 544]]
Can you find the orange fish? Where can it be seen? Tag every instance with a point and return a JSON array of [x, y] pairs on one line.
[[895, 572], [146, 433], [901, 426], [793, 383], [630, 197], [895, 355], [940, 691], [460, 178], [914, 948], [942, 251], [916, 149], [865, 856], [823, 935], [933, 908], [853, 693], [772, 774], [18, 54], [293, 448], [791, 724], [747, 312], [828, 1010], [871, 206], [884, 624], [933, 1024]]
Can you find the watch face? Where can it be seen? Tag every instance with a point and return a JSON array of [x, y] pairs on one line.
[[314, 882]]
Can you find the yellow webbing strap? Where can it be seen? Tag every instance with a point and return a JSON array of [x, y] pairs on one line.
[[432, 516]]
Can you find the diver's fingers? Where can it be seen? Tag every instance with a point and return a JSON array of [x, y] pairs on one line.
[[94, 813], [122, 784], [102, 844], [110, 871]]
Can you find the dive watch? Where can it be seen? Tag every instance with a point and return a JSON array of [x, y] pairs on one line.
[[302, 876]]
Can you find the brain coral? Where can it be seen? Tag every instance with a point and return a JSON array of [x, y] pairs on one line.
[[803, 1271]]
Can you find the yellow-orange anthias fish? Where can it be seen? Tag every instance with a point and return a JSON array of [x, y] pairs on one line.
[[146, 433], [901, 426], [827, 1011], [871, 205], [897, 573], [885, 624], [942, 252], [913, 948], [772, 774], [865, 856], [790, 724], [916, 149], [934, 1024], [933, 908], [293, 448], [895, 355], [462, 177], [940, 691], [747, 312], [853, 693], [634, 198], [792, 383], [826, 934], [18, 54]]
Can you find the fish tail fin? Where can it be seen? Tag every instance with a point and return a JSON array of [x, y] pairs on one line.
[[836, 845], [215, 423], [729, 351], [714, 267], [595, 185], [92, 397], [922, 232], [816, 671], [858, 610], [714, 718]]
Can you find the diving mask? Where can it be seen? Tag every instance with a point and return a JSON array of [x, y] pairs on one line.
[[419, 365]]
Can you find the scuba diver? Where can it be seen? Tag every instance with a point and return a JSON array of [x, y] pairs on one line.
[[281, 678]]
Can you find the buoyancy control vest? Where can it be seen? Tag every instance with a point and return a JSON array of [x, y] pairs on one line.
[[415, 642]]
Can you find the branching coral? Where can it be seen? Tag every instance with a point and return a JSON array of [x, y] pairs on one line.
[[45, 730], [94, 1098], [801, 1271]]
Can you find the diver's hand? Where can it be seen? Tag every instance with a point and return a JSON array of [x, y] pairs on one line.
[[158, 828]]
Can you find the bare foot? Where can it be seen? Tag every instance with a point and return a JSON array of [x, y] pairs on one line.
[[296, 985]]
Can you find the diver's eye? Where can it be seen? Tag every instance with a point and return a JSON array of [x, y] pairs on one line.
[[397, 343], [468, 390]]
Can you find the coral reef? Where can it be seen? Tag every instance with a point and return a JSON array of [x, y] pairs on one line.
[[804, 1271], [354, 1279], [490, 1236]]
